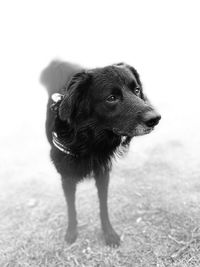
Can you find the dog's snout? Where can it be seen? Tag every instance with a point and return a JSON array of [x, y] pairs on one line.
[[151, 118]]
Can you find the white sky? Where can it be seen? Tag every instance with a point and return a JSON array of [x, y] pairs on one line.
[[160, 38]]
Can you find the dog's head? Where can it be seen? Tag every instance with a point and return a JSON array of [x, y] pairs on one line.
[[113, 97]]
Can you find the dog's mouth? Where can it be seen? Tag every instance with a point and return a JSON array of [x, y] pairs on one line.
[[120, 132], [138, 131], [142, 131]]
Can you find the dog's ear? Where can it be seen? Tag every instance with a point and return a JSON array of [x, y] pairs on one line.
[[131, 69], [75, 101], [135, 73], [137, 76]]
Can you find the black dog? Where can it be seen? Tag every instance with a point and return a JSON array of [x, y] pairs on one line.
[[93, 115]]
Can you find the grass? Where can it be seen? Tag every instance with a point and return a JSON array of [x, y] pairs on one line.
[[154, 204]]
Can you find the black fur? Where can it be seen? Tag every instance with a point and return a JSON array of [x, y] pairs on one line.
[[93, 128]]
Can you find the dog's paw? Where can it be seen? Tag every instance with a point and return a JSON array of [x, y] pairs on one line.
[[112, 238], [71, 236]]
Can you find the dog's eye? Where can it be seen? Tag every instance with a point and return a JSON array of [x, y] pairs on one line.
[[111, 99], [137, 90]]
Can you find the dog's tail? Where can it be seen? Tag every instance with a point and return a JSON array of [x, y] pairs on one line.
[[56, 75]]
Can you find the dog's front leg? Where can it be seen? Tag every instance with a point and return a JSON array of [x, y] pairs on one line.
[[69, 188], [102, 181]]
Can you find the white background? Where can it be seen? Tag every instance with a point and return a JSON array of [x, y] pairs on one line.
[[159, 38]]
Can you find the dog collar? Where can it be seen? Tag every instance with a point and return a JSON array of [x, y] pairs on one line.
[[57, 99], [58, 144]]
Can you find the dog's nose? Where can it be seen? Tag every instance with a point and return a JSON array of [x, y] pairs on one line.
[[151, 118]]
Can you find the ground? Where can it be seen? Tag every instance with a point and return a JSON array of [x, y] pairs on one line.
[[154, 204]]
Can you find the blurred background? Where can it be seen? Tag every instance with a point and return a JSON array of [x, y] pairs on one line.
[[160, 39]]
